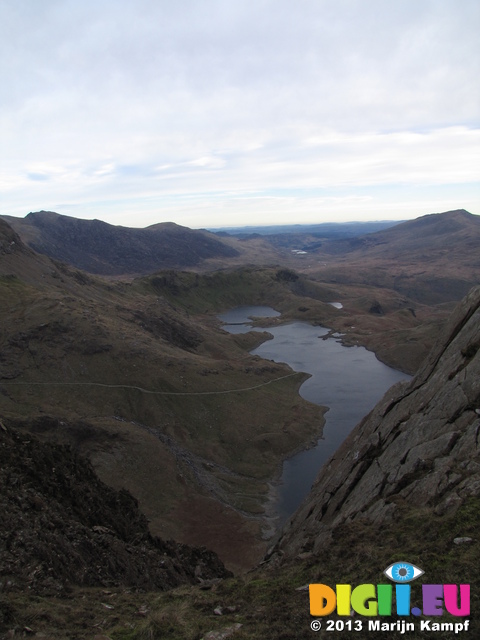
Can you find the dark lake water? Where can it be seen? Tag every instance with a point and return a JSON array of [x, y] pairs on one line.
[[348, 380]]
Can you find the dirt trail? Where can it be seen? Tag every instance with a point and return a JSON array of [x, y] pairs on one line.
[[149, 391]]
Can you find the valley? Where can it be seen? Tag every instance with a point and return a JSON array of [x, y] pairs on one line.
[[132, 370]]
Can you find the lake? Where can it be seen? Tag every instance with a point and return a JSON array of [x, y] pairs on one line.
[[348, 380]]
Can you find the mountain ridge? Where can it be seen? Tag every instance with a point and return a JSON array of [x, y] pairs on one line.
[[434, 258], [413, 247], [417, 232], [100, 248]]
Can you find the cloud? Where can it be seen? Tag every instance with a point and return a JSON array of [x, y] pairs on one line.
[[142, 101]]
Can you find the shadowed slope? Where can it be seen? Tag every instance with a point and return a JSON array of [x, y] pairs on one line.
[[101, 248]]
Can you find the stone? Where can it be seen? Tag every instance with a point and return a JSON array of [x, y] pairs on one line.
[[418, 446], [221, 634]]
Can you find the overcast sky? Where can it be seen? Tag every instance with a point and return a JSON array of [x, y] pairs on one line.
[[229, 112]]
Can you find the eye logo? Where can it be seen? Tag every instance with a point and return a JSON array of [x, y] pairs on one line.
[[402, 572]]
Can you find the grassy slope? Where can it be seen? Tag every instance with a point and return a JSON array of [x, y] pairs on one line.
[[191, 454], [212, 455], [266, 602]]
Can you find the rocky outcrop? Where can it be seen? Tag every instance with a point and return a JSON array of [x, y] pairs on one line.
[[9, 240], [419, 446], [61, 526]]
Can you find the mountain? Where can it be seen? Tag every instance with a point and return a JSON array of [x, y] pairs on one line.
[[101, 248], [152, 391], [432, 259], [139, 378], [426, 233], [405, 486]]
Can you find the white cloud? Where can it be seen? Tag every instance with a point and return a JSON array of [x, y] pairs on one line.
[[106, 104]]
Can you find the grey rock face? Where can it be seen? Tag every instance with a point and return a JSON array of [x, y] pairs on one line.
[[419, 445]]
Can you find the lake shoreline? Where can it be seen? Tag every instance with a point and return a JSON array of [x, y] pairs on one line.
[[345, 383]]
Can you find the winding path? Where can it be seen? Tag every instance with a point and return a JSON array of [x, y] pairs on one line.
[[149, 391]]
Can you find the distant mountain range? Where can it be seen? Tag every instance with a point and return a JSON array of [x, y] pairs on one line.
[[435, 258], [322, 230]]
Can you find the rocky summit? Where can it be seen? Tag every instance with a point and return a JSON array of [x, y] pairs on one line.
[[418, 447]]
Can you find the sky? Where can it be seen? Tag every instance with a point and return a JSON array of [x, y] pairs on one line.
[[217, 113]]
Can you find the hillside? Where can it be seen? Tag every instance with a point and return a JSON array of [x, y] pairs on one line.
[[404, 486], [152, 395], [101, 248], [433, 259], [424, 233], [62, 526]]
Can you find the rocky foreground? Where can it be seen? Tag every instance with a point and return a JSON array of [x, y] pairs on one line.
[[61, 526]]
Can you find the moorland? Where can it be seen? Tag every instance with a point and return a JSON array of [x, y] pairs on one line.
[[111, 348]]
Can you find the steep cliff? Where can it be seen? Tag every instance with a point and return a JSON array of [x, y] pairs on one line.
[[419, 446]]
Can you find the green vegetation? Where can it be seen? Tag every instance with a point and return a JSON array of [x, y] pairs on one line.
[[170, 400], [217, 291], [103, 347], [269, 602], [138, 377]]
